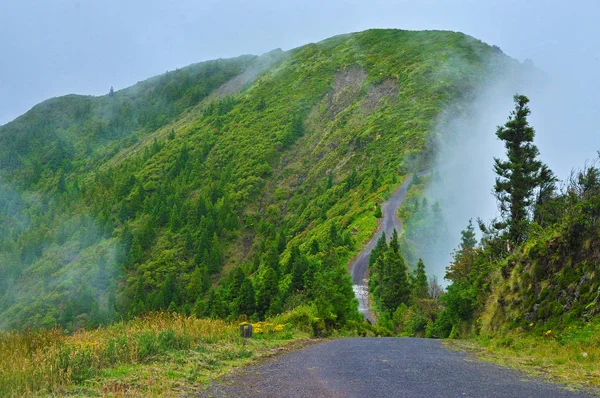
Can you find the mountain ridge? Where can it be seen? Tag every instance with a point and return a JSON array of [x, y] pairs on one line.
[[171, 181]]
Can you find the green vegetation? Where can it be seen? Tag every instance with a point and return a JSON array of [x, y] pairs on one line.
[[425, 228], [407, 302], [164, 354], [158, 354], [529, 291], [546, 282], [389, 275], [139, 227], [570, 357], [227, 188], [520, 175]]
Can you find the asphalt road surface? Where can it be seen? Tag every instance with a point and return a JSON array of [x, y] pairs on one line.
[[360, 265], [381, 367]]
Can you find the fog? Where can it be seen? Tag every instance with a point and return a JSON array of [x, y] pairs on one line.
[[462, 174], [58, 47], [78, 265]]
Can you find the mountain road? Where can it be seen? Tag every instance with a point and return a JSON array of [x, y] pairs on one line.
[[360, 265], [381, 367]]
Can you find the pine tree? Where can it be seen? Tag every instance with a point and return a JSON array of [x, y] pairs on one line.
[[61, 185], [298, 267], [245, 303], [334, 297], [174, 220], [314, 247], [137, 198], [334, 237], [542, 214], [395, 286], [136, 254], [217, 308], [214, 257], [233, 286], [330, 259], [463, 256], [376, 277], [101, 275], [294, 254], [376, 266], [188, 240], [201, 209], [267, 291], [352, 181], [329, 180], [379, 249], [420, 286], [375, 184], [468, 239], [168, 293], [198, 283], [139, 290], [236, 282], [146, 234], [519, 175], [96, 317], [272, 259], [378, 213], [199, 308], [308, 278], [281, 242]]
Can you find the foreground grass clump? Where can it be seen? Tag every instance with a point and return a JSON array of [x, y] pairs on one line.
[[571, 356], [158, 354]]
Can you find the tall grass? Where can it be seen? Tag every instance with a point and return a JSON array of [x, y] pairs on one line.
[[571, 356], [50, 362]]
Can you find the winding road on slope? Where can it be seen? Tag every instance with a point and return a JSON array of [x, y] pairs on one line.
[[360, 265], [381, 367]]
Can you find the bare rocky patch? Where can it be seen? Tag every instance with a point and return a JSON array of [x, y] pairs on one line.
[[385, 90], [346, 89]]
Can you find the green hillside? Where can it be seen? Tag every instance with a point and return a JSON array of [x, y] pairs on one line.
[[547, 285], [229, 187]]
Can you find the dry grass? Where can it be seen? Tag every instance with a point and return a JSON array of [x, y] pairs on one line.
[[156, 355]]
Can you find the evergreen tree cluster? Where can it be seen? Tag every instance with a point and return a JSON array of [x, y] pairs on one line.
[[390, 282], [152, 197], [273, 283]]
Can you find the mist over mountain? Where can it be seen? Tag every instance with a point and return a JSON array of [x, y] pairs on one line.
[[255, 171]]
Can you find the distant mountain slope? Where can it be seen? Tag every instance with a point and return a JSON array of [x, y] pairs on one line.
[[229, 187]]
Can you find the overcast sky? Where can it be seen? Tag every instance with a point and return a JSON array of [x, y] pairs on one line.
[[56, 47]]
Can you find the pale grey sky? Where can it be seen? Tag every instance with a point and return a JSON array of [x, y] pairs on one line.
[[56, 47]]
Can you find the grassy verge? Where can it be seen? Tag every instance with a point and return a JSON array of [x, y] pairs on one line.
[[160, 354], [571, 357]]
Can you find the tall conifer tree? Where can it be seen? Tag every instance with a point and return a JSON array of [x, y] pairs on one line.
[[420, 288], [395, 288], [519, 175]]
